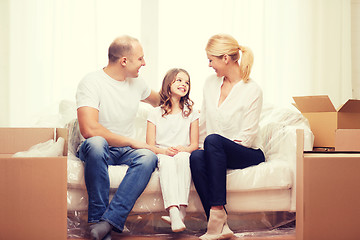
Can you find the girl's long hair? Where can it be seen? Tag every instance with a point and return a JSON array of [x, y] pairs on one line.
[[186, 103]]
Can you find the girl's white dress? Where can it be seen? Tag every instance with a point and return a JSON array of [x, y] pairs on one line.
[[175, 177]]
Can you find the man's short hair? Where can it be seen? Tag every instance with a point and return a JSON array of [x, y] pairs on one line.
[[121, 47]]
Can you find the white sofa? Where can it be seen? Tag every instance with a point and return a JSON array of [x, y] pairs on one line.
[[267, 188]]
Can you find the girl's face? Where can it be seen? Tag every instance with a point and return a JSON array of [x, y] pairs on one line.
[[218, 64], [180, 86]]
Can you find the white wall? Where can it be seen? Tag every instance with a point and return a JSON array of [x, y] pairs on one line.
[[4, 62], [33, 90], [355, 47]]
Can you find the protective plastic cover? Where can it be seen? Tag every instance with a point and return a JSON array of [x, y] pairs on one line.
[[259, 198]]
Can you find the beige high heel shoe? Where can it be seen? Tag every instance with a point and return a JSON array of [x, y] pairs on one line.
[[226, 232], [215, 225]]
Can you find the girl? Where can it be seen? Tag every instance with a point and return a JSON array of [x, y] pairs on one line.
[[173, 128], [230, 121]]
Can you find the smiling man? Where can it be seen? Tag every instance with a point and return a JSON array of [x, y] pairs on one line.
[[107, 102]]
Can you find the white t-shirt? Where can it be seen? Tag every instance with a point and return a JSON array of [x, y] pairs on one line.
[[173, 129], [237, 118], [117, 101]]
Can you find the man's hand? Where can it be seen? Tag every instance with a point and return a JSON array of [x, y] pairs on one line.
[[141, 145]]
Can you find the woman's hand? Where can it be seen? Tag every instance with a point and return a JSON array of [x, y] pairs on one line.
[[238, 141]]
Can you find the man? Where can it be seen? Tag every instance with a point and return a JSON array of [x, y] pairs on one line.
[[107, 101]]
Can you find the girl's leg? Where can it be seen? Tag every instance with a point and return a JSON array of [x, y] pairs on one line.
[[168, 180], [170, 190], [184, 177]]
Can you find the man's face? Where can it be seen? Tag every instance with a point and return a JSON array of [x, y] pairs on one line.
[[135, 61]]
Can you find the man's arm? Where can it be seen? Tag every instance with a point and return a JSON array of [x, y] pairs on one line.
[[153, 99], [88, 118]]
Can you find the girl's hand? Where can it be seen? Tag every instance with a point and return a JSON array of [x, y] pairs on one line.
[[180, 148], [171, 151]]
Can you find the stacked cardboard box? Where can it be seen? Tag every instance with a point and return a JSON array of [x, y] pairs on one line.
[[32, 189], [327, 123]]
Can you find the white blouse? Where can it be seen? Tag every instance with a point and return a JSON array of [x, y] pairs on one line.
[[237, 118]]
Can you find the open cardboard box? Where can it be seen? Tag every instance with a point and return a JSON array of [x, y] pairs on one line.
[[33, 190], [324, 119], [347, 140]]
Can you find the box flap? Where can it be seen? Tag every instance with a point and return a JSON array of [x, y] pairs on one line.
[[319, 103], [352, 105]]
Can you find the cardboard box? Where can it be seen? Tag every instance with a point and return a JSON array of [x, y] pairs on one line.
[[33, 191], [327, 196], [324, 119], [347, 140]]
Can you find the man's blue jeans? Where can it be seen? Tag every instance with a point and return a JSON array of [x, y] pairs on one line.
[[97, 156]]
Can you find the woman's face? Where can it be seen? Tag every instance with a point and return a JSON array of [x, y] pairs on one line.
[[217, 64]]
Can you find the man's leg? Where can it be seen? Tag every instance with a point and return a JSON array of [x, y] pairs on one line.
[[94, 152], [142, 163]]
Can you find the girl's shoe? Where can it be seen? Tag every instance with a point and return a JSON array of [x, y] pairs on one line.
[[177, 225], [166, 219]]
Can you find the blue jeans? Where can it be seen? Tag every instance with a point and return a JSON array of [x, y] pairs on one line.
[[208, 167], [97, 155]]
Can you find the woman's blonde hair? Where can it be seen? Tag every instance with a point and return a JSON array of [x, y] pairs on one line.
[[186, 103], [221, 44]]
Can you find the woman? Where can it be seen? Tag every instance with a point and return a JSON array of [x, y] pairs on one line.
[[230, 121]]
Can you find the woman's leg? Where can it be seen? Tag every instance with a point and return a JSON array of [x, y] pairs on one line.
[[199, 176], [222, 154]]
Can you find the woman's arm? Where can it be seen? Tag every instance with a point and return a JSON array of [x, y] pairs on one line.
[[250, 123]]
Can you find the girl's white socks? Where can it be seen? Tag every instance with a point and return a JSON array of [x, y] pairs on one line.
[[177, 224], [182, 212]]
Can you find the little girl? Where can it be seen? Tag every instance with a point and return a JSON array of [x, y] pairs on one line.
[[173, 128]]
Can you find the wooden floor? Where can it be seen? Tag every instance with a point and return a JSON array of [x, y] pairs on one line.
[[278, 235], [146, 223], [289, 237]]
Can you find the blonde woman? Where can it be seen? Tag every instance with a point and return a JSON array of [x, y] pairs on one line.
[[230, 122]]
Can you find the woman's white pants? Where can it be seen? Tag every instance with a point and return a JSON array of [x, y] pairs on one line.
[[175, 178]]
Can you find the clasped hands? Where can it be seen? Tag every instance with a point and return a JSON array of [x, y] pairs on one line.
[[172, 151]]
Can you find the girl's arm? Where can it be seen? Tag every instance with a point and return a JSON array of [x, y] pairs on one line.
[[194, 138], [150, 139]]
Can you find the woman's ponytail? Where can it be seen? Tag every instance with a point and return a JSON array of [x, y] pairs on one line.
[[247, 59]]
